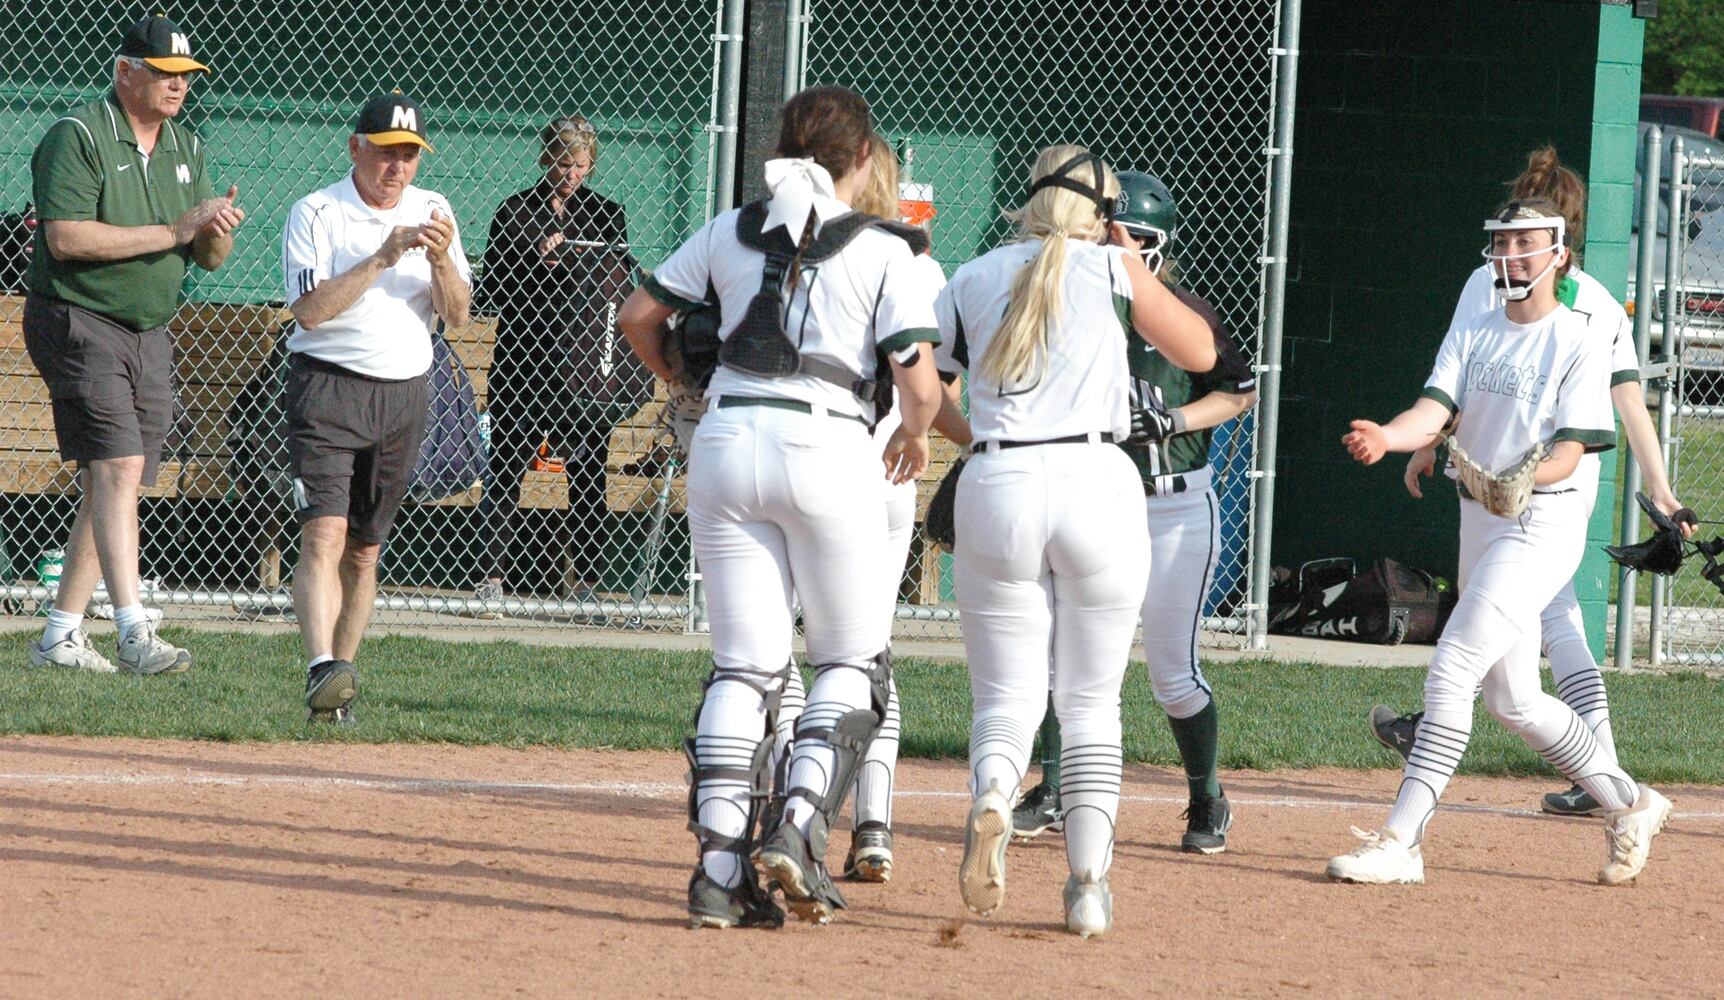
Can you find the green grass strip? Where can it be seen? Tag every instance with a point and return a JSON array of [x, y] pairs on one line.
[[1273, 715]]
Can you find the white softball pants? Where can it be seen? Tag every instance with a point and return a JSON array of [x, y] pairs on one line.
[[783, 506], [880, 767], [1185, 543], [1510, 570], [1050, 570]]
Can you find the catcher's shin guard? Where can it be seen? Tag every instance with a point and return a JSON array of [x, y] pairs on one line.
[[746, 904], [849, 738]]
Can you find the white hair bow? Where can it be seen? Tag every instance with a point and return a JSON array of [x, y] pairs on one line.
[[800, 187]]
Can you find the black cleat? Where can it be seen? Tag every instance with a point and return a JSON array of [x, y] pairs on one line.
[[1206, 824], [744, 905], [329, 687], [1037, 813], [870, 858], [1577, 801], [1396, 732], [788, 860]]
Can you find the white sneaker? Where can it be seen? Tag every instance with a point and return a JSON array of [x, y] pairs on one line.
[[1628, 836], [143, 652], [1089, 906], [75, 651], [1381, 860], [982, 873]]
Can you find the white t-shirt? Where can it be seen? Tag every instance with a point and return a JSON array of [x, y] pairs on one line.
[[1604, 316], [1519, 385], [1083, 385], [872, 291], [387, 332]]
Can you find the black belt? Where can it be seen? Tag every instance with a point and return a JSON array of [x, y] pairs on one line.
[[305, 360], [796, 405], [1105, 437]]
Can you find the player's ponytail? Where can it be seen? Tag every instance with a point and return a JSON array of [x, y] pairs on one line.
[[1546, 178], [879, 197], [1052, 215]]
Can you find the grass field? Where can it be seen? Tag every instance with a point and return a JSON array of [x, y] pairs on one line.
[[1274, 715]]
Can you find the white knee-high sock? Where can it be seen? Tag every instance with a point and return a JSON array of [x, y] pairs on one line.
[[1580, 685], [839, 689], [790, 707], [1558, 735], [999, 752], [874, 781], [1089, 796], [1437, 749], [731, 726]]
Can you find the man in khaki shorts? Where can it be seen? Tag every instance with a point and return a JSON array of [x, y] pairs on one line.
[[125, 203], [370, 263]]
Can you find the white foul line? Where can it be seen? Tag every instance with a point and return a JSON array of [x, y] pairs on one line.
[[649, 790]]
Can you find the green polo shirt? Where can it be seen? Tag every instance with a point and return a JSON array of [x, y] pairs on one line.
[[89, 166]]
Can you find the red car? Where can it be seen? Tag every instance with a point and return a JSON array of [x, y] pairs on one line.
[[1703, 114]]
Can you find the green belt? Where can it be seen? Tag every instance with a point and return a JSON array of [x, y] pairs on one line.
[[797, 405]]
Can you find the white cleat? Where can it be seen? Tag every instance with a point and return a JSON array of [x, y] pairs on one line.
[[1629, 835], [75, 651], [982, 873], [1089, 906], [1381, 860], [144, 652]]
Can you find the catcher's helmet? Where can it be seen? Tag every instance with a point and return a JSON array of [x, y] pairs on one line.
[[1146, 208]]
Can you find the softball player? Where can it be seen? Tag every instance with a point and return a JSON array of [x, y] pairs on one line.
[[784, 496], [1528, 374], [1052, 547], [1172, 414], [870, 856], [1579, 682]]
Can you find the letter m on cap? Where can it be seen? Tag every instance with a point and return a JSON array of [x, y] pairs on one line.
[[404, 117], [181, 45]]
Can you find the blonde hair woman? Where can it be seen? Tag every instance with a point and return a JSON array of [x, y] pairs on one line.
[[1052, 546]]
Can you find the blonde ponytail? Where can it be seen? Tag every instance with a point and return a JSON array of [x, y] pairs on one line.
[[1036, 304]]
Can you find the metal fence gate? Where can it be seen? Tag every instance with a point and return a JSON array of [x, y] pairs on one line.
[[578, 515], [1687, 612]]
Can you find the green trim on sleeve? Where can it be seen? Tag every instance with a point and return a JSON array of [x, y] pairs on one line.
[[1624, 377], [904, 338], [665, 297], [1432, 392], [1590, 440]]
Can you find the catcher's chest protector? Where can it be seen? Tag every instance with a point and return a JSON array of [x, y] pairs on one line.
[[760, 345]]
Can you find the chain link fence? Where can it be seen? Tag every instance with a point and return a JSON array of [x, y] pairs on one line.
[[1687, 625], [549, 499], [573, 516], [971, 91]]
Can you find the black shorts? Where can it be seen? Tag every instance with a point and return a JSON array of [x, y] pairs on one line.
[[112, 387], [352, 442]]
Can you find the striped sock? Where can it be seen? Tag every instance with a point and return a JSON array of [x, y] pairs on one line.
[[1437, 751], [1089, 798]]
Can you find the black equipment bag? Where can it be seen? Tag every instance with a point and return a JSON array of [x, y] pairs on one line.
[[1388, 603]]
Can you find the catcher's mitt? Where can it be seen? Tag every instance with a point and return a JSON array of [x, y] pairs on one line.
[[1663, 552], [940, 526], [1505, 494]]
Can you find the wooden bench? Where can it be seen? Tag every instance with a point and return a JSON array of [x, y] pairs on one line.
[[220, 348]]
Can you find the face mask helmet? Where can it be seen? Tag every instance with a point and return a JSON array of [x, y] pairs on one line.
[[1519, 216], [1146, 209]]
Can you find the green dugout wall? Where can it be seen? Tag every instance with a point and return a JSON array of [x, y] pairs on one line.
[[1410, 118]]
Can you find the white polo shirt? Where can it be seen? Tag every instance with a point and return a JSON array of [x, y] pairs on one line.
[[387, 332]]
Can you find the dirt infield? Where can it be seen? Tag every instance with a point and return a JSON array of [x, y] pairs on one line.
[[132, 868]]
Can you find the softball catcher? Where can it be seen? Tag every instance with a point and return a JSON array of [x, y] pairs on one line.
[[783, 487]]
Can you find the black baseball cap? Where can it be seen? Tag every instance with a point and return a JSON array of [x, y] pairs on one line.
[[392, 119], [160, 42]]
